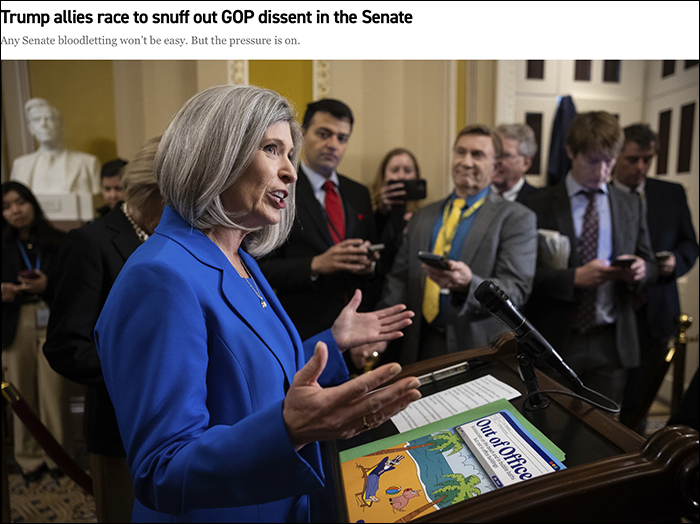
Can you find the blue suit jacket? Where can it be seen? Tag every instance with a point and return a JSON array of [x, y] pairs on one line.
[[197, 374]]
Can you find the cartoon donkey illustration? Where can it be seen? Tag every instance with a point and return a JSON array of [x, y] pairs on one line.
[[401, 501]]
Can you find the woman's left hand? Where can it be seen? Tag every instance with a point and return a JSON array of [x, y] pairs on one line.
[[313, 413], [352, 329], [33, 286]]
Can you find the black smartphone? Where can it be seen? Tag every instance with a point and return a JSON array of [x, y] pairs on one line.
[[416, 188], [622, 262], [663, 255], [434, 260]]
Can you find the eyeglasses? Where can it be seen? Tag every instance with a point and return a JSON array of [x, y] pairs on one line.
[[508, 156]]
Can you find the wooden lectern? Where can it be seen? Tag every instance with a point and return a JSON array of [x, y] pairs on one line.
[[612, 475]]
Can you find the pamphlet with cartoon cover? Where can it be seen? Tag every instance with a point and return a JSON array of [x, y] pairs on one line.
[[429, 468]]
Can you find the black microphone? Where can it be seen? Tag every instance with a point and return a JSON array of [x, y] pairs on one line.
[[500, 306]]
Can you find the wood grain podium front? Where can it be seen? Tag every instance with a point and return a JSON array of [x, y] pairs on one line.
[[612, 475]]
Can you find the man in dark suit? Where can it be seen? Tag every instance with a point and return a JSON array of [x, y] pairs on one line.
[[673, 240], [317, 271], [519, 147], [586, 310]]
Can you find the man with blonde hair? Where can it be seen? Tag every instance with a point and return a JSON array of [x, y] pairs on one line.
[[586, 310], [519, 148]]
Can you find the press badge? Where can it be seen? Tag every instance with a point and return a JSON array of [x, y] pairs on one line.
[[42, 315]]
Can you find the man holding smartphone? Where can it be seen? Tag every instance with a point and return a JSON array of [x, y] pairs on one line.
[[673, 240], [478, 236], [586, 310], [326, 258]]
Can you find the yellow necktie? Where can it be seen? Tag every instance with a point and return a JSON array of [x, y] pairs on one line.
[[443, 243]]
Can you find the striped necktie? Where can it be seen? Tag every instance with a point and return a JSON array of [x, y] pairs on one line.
[[585, 313]]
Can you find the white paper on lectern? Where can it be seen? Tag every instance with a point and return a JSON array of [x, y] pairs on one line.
[[455, 400]]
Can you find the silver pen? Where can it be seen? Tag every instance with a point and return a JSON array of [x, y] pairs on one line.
[[444, 373]]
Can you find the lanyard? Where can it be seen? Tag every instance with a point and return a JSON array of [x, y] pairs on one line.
[[26, 258], [466, 213]]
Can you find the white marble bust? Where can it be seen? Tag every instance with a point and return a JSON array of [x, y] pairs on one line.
[[52, 168]]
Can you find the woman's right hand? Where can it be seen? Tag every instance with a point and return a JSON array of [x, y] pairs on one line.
[[312, 413], [9, 292], [392, 195]]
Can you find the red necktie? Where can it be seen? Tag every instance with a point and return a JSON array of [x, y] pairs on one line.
[[334, 212]]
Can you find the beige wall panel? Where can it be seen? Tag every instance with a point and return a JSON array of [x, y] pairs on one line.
[[147, 96], [548, 85], [211, 73], [630, 87], [129, 107], [682, 78], [674, 98], [398, 104], [167, 85]]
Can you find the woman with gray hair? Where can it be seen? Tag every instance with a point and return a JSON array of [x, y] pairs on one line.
[[220, 405], [90, 260]]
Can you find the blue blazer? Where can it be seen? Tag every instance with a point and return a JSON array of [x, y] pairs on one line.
[[197, 371]]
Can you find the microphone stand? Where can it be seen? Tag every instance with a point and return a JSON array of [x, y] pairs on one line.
[[526, 369]]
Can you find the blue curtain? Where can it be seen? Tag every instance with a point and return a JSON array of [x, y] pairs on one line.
[[559, 163]]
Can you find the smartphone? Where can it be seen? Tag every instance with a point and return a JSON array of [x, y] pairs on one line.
[[434, 260], [622, 262], [28, 274], [416, 188], [663, 255]]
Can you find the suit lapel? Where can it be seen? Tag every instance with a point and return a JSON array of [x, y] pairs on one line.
[[653, 207], [125, 239], [478, 229], [234, 288], [289, 365], [620, 219], [307, 203], [424, 234], [348, 209], [240, 299], [256, 319], [561, 207]]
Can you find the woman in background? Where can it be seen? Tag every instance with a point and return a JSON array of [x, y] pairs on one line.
[[391, 209], [30, 248], [220, 405], [90, 260]]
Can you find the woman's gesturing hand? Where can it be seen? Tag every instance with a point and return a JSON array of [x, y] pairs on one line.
[[314, 413], [352, 329]]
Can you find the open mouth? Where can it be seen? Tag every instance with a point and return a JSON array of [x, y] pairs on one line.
[[279, 196]]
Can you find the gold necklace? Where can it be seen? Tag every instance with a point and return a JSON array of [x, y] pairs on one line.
[[143, 236], [255, 289]]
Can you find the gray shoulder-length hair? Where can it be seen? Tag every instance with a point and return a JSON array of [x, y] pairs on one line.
[[207, 147]]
